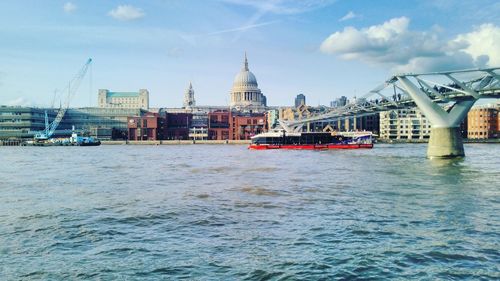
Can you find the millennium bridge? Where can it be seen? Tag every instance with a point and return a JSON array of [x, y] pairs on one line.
[[444, 97]]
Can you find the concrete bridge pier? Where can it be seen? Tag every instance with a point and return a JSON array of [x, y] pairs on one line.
[[446, 139], [445, 143]]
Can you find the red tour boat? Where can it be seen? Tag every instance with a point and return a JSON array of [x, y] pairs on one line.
[[311, 140]]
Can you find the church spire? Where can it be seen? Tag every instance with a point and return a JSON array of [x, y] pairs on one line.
[[189, 100], [245, 67]]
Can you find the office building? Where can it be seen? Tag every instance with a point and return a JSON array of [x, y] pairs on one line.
[[300, 99]]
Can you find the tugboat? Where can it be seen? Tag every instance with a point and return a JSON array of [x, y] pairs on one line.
[[311, 140], [83, 141]]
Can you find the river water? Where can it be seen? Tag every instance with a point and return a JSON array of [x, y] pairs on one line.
[[222, 212]]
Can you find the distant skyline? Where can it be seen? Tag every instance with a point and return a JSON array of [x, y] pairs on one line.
[[321, 48]]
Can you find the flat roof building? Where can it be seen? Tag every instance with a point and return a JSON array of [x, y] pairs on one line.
[[408, 123], [23, 122], [108, 99]]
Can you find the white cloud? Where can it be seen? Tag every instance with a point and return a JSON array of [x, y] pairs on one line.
[[348, 16], [69, 7], [394, 44], [482, 41], [126, 13]]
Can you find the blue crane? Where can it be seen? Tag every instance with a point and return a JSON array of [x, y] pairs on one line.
[[72, 87]]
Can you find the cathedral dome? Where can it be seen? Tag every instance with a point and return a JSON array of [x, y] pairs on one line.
[[245, 94], [245, 78]]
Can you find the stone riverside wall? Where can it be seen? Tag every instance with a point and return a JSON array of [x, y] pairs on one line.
[[426, 141]]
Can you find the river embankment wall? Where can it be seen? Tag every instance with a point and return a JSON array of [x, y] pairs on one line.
[[176, 142], [427, 140]]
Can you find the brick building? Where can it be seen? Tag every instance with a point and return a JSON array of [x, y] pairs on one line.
[[178, 125], [219, 124], [227, 125], [483, 122], [244, 126], [148, 127]]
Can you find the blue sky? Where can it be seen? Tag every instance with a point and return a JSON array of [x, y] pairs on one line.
[[321, 48]]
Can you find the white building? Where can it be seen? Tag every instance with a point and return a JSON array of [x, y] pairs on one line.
[[245, 94], [109, 99], [404, 124]]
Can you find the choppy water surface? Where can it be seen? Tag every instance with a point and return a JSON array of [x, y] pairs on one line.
[[211, 212]]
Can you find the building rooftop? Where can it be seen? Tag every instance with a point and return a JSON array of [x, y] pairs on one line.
[[122, 94]]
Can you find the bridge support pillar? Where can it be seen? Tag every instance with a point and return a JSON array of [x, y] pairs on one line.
[[445, 140], [445, 143]]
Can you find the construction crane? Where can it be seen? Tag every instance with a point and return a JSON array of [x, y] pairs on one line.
[[72, 87]]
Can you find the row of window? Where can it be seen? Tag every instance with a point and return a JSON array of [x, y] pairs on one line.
[[387, 132], [480, 133], [10, 113]]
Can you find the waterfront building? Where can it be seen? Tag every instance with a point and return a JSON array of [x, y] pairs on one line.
[[151, 126], [103, 123], [300, 100], [245, 94], [198, 122], [22, 122], [243, 126], [404, 124], [219, 125], [483, 122], [230, 125], [107, 99], [178, 125], [189, 101], [198, 129]]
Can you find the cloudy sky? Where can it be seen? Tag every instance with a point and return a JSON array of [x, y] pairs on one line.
[[321, 48]]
